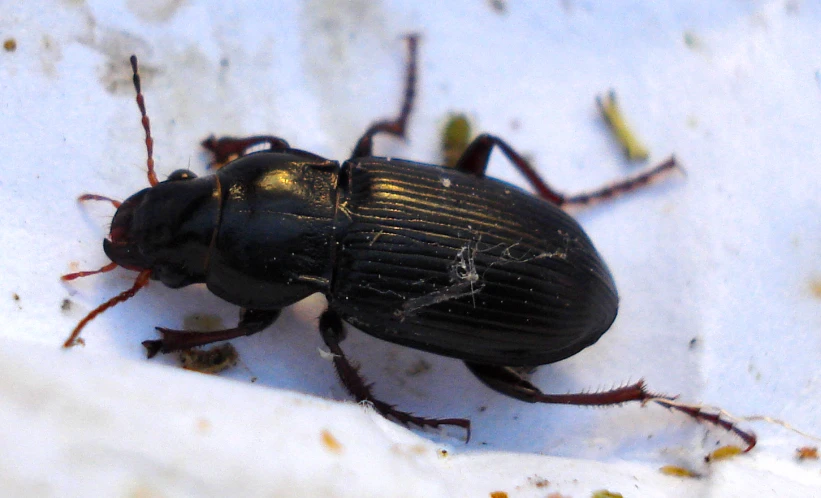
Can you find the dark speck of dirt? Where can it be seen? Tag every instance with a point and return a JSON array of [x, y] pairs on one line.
[[538, 481], [498, 6], [10, 45], [66, 305], [418, 368], [692, 41]]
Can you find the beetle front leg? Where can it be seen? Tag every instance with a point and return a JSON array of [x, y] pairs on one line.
[[475, 160], [251, 322], [333, 331], [227, 149], [508, 381]]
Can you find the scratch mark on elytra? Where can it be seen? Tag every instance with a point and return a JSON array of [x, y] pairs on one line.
[[465, 282], [386, 292]]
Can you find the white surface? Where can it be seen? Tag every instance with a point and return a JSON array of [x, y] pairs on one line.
[[727, 255]]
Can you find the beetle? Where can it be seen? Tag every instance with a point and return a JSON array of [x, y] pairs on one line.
[[441, 259]]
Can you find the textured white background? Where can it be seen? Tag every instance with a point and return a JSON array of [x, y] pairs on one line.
[[728, 255]]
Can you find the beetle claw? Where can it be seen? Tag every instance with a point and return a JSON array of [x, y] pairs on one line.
[[152, 348]]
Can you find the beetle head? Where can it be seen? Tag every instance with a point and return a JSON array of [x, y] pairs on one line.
[[167, 229]]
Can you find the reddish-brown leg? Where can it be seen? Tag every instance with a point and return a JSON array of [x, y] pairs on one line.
[[476, 156], [509, 381], [333, 331], [226, 149], [251, 322], [396, 127]]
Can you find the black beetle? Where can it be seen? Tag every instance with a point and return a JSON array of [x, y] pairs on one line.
[[439, 259]]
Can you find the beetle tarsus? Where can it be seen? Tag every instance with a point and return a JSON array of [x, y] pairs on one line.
[[332, 328], [711, 416], [152, 348], [624, 186]]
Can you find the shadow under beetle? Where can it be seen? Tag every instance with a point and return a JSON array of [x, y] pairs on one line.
[[439, 259]]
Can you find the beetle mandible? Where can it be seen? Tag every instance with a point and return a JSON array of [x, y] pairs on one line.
[[439, 259]]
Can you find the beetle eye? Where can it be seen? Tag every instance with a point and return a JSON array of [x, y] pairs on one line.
[[181, 174]]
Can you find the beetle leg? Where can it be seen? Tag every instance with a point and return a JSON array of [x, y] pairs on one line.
[[508, 381], [333, 331], [396, 127], [477, 155], [251, 321], [475, 160], [618, 188], [226, 149]]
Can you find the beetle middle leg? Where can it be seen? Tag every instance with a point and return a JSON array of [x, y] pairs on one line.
[[251, 322], [333, 332], [226, 149], [509, 381], [475, 160], [396, 127]]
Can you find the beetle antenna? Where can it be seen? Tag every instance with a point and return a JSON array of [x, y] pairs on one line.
[[97, 197], [149, 142], [81, 274], [106, 268], [140, 282]]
